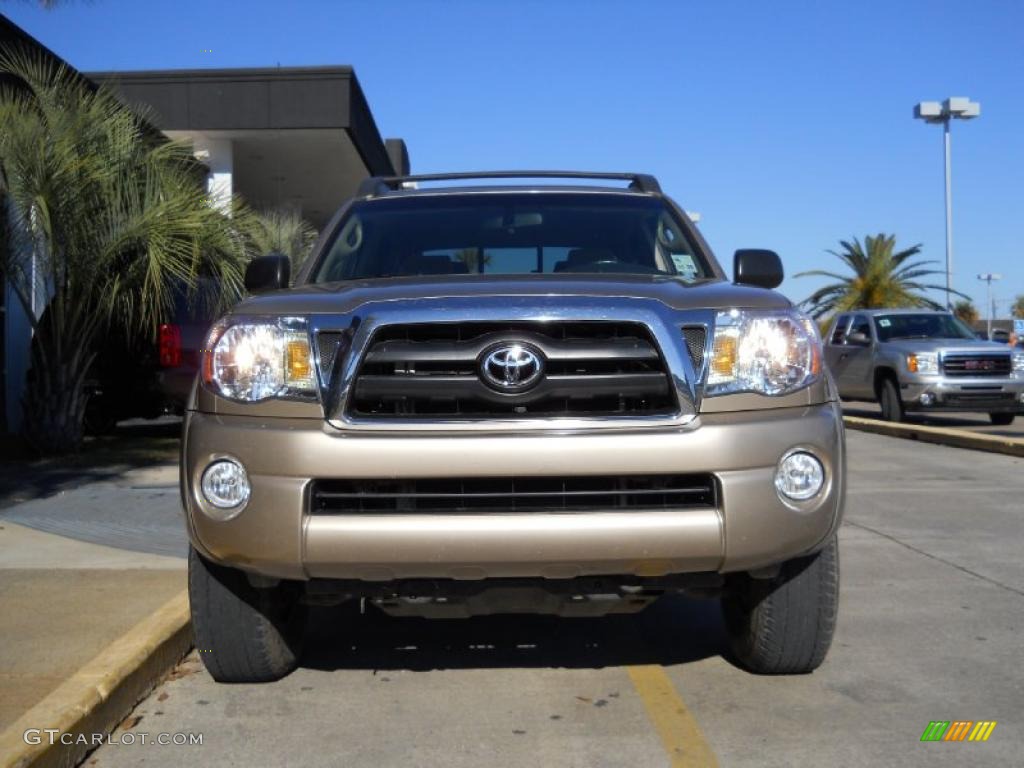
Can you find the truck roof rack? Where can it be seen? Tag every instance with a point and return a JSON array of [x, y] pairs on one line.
[[641, 182]]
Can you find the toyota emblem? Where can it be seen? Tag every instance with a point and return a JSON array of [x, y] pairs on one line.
[[512, 367]]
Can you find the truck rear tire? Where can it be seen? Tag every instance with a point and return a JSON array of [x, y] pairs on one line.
[[244, 634], [784, 625], [1002, 419], [892, 403]]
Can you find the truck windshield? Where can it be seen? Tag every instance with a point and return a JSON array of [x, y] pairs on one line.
[[498, 233], [922, 326]]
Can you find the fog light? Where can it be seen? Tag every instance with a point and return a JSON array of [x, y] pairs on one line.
[[799, 477], [226, 487], [927, 398], [1021, 397]]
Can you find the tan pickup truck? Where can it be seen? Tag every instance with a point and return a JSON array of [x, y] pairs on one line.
[[529, 397]]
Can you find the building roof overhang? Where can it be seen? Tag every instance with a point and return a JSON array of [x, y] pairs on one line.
[[302, 137]]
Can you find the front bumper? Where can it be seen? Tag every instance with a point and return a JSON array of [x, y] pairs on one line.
[[962, 394], [275, 535]]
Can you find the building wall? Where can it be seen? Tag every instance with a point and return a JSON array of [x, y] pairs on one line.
[[15, 329], [17, 334], [17, 346]]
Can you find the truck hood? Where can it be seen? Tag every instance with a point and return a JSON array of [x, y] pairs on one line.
[[947, 346], [349, 296]]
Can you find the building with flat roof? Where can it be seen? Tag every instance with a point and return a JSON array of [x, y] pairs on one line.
[[284, 137], [297, 138]]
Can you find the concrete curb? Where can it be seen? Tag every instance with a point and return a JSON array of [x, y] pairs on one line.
[[99, 695], [958, 438]]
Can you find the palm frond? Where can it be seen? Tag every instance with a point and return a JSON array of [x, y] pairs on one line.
[[880, 277], [281, 231], [823, 273], [111, 218]]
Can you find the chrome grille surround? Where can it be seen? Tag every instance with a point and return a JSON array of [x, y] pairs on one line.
[[663, 323]]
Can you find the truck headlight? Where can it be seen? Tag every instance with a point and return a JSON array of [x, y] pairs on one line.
[[1018, 362], [923, 362], [257, 359], [770, 353]]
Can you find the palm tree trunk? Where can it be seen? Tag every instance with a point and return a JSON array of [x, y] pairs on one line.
[[54, 400]]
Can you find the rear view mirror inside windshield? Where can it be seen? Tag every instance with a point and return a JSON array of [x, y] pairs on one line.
[[514, 221]]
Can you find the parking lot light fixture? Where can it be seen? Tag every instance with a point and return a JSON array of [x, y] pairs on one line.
[[988, 277], [953, 108]]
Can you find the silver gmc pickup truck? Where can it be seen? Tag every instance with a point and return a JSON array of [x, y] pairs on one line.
[[514, 398], [923, 361]]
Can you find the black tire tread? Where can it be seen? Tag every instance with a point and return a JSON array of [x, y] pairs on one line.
[[245, 634], [785, 625], [889, 387], [1002, 419]]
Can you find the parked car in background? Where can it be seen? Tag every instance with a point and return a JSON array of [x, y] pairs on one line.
[[1000, 336], [1002, 331], [911, 360], [148, 377]]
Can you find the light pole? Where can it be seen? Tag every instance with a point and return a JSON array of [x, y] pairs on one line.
[[960, 108], [988, 277]]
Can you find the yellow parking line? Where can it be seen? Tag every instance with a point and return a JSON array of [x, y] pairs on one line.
[[679, 732]]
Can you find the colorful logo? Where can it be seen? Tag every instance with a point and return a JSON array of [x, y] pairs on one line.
[[958, 730]]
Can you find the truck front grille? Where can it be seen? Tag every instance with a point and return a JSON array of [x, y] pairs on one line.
[[433, 370], [513, 494], [977, 365]]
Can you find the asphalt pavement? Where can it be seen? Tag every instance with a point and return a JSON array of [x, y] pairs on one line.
[[930, 624], [138, 510]]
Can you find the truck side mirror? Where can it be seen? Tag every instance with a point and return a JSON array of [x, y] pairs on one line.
[[858, 339], [756, 266], [268, 273]]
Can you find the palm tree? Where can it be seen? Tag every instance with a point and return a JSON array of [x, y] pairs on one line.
[[882, 277], [281, 231], [966, 311], [1017, 310], [103, 222], [472, 258]]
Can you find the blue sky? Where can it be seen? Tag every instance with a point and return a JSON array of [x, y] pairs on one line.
[[787, 125]]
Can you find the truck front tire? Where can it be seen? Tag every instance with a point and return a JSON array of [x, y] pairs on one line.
[[244, 634], [1002, 419], [892, 403], [784, 625]]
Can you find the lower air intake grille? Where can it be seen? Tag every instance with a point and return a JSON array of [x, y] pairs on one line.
[[513, 494], [980, 400]]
